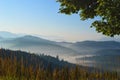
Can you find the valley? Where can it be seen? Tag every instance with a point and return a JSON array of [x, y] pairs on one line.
[[86, 53]]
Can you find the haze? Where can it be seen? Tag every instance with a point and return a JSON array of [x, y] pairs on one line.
[[41, 17]]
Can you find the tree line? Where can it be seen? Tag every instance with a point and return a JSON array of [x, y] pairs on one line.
[[12, 68]]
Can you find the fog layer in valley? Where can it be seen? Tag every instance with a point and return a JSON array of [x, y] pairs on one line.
[[87, 53]]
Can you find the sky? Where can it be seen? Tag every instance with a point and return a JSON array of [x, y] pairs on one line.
[[41, 17]]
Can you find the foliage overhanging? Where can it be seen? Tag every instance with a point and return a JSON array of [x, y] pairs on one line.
[[108, 10]]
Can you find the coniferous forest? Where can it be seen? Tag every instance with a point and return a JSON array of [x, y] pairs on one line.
[[18, 65]]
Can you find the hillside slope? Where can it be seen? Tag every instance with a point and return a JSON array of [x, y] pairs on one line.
[[18, 65], [33, 59]]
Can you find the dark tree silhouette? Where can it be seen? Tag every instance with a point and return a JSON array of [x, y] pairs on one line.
[[108, 10], [18, 65]]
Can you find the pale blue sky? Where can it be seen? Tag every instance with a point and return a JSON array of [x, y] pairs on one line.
[[41, 17]]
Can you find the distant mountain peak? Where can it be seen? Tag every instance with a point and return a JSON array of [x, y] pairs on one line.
[[98, 41], [30, 36], [5, 34]]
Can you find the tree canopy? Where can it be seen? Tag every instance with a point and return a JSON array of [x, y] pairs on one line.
[[107, 10]]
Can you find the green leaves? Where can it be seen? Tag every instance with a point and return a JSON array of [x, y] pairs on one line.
[[108, 10]]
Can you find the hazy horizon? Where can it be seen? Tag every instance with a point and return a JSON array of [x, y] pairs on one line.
[[6, 34], [41, 17]]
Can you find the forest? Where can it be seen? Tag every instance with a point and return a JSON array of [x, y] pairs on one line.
[[18, 65]]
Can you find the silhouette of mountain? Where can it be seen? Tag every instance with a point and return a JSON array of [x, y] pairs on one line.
[[96, 51], [37, 45], [107, 52], [90, 47], [29, 40], [116, 38], [99, 44], [5, 34], [66, 50]]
